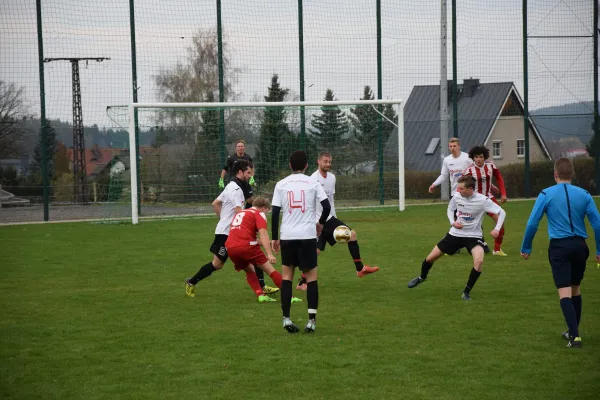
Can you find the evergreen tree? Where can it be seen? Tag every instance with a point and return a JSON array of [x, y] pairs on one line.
[[364, 121], [276, 141], [51, 148], [591, 146], [329, 127], [206, 151]]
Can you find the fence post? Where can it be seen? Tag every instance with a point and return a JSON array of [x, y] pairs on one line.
[[526, 104], [45, 180]]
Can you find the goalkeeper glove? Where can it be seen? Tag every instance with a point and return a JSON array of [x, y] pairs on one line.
[[221, 183], [252, 181]]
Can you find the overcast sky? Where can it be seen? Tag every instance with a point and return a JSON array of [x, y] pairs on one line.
[[339, 44]]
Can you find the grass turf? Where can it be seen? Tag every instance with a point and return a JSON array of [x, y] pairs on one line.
[[98, 312]]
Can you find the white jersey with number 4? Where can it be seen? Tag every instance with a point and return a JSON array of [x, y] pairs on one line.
[[298, 196], [328, 184], [453, 167], [469, 212], [231, 197]]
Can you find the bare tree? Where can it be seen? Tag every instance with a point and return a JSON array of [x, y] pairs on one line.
[[13, 110], [194, 80]]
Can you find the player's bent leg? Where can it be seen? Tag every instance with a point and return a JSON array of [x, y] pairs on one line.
[[426, 265], [477, 253]]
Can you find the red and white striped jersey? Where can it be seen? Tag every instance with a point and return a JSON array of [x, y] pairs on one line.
[[483, 178]]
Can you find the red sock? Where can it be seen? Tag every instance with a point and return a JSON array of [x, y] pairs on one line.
[[253, 282], [276, 276]]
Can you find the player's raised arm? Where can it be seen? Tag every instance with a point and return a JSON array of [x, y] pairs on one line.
[[444, 174], [217, 204], [451, 210], [594, 217], [532, 224], [500, 182]]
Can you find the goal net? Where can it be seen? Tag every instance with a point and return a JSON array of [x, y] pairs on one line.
[[182, 148]]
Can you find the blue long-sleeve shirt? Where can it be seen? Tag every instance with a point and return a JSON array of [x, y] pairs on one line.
[[566, 207]]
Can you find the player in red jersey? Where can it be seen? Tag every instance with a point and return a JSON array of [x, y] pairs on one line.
[[483, 171], [244, 250]]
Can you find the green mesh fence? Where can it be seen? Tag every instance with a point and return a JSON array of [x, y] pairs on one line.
[[176, 59]]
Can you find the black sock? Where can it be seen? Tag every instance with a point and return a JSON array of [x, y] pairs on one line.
[[204, 272], [571, 319], [425, 267], [312, 298], [286, 297], [261, 276], [473, 276], [576, 300], [355, 253]]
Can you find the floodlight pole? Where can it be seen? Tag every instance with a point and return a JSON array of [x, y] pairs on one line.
[[79, 168], [444, 93]]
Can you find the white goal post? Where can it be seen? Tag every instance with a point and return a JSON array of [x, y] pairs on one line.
[[136, 106]]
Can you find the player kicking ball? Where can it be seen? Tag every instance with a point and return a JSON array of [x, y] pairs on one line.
[[465, 231], [244, 250], [328, 180]]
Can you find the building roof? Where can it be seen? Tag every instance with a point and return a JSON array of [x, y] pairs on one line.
[[479, 106]]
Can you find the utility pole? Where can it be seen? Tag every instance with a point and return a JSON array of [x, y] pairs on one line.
[[79, 169]]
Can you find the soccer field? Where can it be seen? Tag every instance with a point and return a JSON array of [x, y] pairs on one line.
[[99, 312]]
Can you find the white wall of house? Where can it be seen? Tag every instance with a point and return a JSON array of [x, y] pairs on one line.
[[506, 142]]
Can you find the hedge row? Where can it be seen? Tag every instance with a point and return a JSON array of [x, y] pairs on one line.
[[366, 187]]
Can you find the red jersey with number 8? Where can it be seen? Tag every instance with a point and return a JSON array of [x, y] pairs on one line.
[[244, 228]]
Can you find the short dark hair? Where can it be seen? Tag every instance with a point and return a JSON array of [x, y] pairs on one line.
[[479, 150], [240, 165], [564, 169], [242, 141], [468, 180], [298, 160], [324, 154]]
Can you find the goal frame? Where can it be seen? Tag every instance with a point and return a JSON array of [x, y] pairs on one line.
[[135, 106]]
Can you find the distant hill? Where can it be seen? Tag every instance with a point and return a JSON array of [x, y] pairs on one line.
[[564, 121]]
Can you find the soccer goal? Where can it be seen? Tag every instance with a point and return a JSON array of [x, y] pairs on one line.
[[175, 168]]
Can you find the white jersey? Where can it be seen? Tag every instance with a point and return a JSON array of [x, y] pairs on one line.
[[298, 196], [231, 197], [469, 212], [328, 184], [453, 167]]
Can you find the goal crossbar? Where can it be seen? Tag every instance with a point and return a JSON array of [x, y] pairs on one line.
[[132, 139]]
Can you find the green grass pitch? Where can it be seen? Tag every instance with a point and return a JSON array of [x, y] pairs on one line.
[[99, 312]]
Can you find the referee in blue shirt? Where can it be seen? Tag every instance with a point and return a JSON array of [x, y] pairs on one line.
[[566, 207]]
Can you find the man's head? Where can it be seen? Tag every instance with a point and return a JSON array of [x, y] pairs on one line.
[[299, 161], [261, 204], [454, 146], [466, 185], [479, 154], [240, 147], [242, 170], [324, 162], [563, 170]]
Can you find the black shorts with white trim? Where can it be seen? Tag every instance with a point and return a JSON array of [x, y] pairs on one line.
[[451, 244], [301, 253]]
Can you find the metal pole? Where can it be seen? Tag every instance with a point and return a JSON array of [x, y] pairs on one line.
[[444, 93], [221, 68], [302, 82], [45, 180], [596, 115], [133, 168], [135, 146], [454, 74], [380, 108], [526, 104]]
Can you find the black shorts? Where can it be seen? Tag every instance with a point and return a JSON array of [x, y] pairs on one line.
[[451, 244], [327, 233], [567, 258], [218, 247], [301, 253]]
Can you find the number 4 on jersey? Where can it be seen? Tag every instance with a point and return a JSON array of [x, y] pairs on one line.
[[297, 201]]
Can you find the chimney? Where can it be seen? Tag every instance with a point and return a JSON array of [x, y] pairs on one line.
[[470, 86]]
